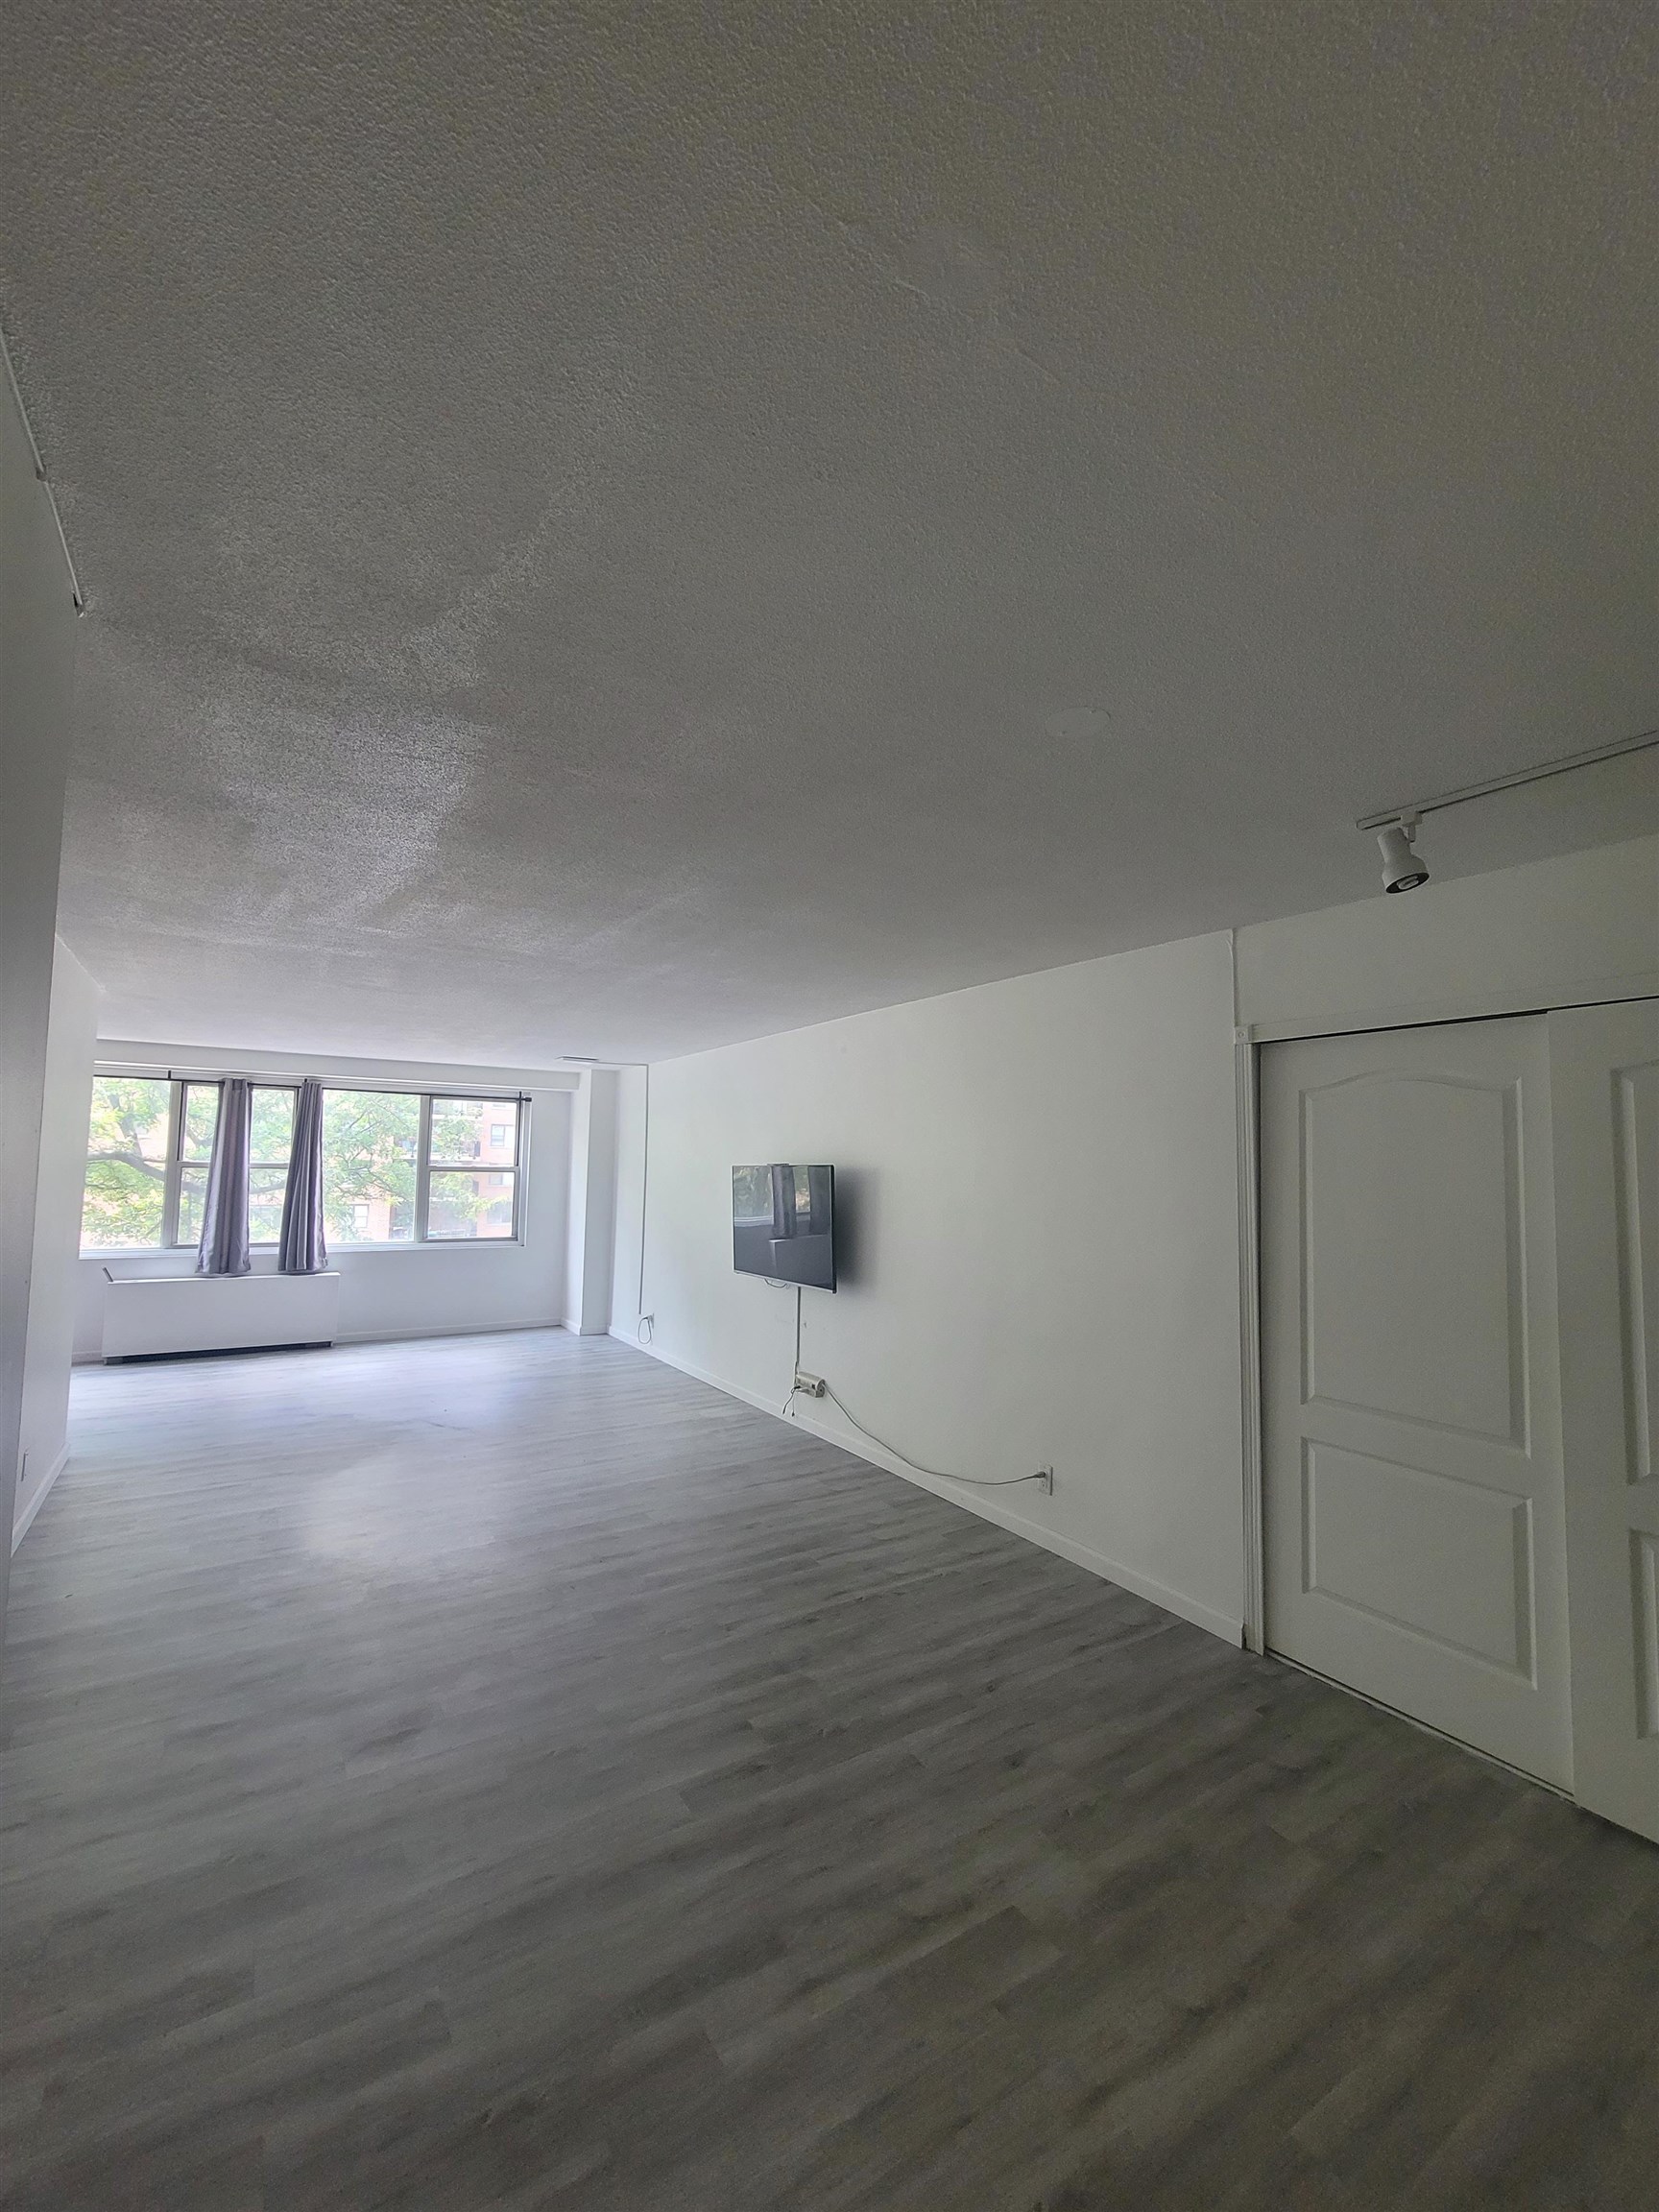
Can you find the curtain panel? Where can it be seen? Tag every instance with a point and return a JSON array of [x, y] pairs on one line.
[[224, 1246], [302, 1249]]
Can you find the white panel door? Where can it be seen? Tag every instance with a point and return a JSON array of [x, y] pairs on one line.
[[1411, 1442], [1604, 1094]]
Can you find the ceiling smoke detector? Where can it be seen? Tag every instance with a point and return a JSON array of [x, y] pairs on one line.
[[1403, 869]]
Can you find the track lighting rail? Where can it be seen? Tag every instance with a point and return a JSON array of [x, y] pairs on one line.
[[1387, 815]]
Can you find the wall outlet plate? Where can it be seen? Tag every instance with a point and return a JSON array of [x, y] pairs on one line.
[[811, 1386], [1045, 1480]]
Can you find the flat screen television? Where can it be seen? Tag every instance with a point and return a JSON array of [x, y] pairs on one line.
[[783, 1223]]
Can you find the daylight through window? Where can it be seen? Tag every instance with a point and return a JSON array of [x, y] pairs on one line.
[[399, 1166]]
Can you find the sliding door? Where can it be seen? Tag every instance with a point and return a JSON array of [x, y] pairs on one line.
[[1411, 1444], [1604, 1093]]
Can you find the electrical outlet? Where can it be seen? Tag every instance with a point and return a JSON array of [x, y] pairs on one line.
[[811, 1386], [1045, 1480]]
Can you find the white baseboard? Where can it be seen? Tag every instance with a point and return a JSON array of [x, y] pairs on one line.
[[1226, 1626], [397, 1336], [448, 1329], [20, 1527]]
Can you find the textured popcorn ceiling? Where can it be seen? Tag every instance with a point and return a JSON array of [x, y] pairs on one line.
[[613, 529]]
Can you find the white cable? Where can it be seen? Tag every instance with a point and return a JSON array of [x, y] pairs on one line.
[[794, 1384], [933, 1473]]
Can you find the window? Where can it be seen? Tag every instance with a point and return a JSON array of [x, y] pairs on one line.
[[124, 1205], [151, 1140], [371, 1153], [399, 1166], [270, 1141], [198, 1119], [471, 1168]]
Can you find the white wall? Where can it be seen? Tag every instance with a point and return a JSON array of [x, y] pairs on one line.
[[1082, 1306], [591, 1232], [36, 692], [414, 1290], [70, 1042], [627, 1248], [1036, 1196], [1582, 926]]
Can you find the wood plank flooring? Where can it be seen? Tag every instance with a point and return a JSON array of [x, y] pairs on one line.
[[503, 1772]]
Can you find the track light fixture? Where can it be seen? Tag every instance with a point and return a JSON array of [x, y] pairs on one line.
[[1403, 870], [1396, 827]]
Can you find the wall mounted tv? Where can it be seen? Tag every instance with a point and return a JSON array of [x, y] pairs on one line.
[[783, 1223]]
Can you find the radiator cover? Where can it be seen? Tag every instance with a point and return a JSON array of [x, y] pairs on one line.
[[147, 1316]]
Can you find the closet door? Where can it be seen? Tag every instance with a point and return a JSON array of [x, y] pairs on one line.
[[1412, 1477], [1604, 1093]]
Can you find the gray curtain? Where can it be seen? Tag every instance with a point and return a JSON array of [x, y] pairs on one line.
[[302, 1250], [224, 1246]]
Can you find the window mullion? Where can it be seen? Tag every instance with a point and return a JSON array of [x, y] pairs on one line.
[[423, 1168], [521, 1151], [173, 1177]]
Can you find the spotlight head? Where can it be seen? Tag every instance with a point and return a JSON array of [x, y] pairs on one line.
[[1401, 868]]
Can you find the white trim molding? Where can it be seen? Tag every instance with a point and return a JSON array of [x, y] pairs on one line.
[[1473, 1006], [1245, 1097], [149, 1056], [439, 1329], [21, 1526]]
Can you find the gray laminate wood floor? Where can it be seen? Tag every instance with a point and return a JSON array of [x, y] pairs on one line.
[[503, 1773]]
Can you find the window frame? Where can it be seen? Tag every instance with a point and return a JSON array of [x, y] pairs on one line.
[[410, 1242], [272, 1166], [169, 1168], [173, 1166], [178, 1088], [173, 1201], [422, 1237], [426, 1165], [173, 1182]]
